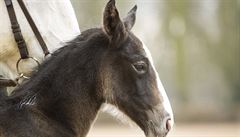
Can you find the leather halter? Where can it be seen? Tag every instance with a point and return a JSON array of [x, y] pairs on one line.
[[17, 30], [21, 43]]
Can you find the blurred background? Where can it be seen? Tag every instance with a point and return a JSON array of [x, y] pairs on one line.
[[195, 46]]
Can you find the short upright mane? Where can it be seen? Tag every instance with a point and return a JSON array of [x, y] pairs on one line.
[[81, 53]]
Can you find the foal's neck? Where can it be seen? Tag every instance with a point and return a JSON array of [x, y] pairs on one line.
[[67, 87], [75, 113], [69, 93]]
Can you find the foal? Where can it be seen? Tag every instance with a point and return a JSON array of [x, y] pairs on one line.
[[102, 65]]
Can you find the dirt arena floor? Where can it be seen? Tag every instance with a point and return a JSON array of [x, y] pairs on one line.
[[180, 130]]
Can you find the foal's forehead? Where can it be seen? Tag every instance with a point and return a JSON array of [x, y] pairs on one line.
[[134, 46], [137, 46]]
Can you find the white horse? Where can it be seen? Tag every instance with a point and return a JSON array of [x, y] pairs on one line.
[[56, 22]]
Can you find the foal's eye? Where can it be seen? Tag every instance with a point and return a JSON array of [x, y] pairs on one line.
[[140, 67]]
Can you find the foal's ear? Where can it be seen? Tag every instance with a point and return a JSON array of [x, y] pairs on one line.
[[129, 21], [112, 24]]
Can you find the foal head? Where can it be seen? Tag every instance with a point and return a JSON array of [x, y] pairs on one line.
[[129, 79]]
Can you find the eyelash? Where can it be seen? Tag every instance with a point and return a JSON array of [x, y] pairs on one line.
[[140, 67]]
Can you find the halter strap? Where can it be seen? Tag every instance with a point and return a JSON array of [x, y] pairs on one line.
[[21, 43], [17, 30], [34, 28], [6, 82], [22, 46]]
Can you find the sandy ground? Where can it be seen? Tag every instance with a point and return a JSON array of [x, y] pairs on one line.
[[180, 130]]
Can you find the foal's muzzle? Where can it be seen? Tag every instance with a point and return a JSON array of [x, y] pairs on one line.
[[159, 125]]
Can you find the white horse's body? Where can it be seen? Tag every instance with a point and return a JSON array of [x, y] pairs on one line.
[[55, 20]]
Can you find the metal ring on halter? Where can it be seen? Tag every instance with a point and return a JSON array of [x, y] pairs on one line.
[[22, 75], [19, 77]]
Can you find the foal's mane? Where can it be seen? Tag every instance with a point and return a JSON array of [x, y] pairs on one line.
[[83, 51]]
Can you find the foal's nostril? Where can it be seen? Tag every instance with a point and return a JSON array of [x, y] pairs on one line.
[[168, 125]]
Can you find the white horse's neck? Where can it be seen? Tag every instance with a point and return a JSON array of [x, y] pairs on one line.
[[56, 21], [55, 18]]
